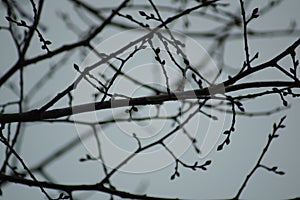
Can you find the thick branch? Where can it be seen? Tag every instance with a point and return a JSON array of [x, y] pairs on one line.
[[71, 188], [206, 93]]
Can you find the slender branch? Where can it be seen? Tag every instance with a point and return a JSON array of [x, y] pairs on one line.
[[258, 164], [121, 50], [3, 140], [245, 34], [64, 48]]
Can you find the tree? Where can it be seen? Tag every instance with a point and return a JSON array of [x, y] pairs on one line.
[[168, 91]]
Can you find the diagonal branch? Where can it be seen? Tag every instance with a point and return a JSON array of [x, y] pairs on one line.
[[71, 188], [204, 93]]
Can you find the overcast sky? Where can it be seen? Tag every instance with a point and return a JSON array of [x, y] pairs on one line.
[[229, 167]]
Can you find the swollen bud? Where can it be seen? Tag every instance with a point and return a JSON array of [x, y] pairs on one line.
[[76, 67]]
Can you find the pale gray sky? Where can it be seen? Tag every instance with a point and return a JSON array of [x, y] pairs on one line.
[[229, 167]]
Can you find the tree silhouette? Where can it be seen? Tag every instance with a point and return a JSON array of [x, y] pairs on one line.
[[138, 88]]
